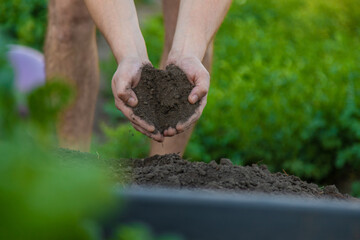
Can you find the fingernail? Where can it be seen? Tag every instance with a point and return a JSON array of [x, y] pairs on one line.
[[131, 101], [194, 98], [152, 129]]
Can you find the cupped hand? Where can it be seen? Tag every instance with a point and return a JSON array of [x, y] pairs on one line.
[[200, 78], [126, 77]]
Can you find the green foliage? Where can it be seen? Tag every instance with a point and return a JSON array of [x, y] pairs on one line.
[[24, 21], [46, 193], [123, 141], [42, 196], [154, 36], [355, 189], [284, 81], [284, 87], [140, 232], [46, 198], [47, 101], [7, 100]]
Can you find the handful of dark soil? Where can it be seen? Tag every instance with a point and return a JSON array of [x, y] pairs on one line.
[[163, 97]]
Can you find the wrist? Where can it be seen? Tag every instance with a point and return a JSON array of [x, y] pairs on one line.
[[176, 57], [194, 46], [130, 49], [127, 41]]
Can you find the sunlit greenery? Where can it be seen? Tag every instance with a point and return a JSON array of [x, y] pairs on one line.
[[42, 196], [284, 87], [24, 21]]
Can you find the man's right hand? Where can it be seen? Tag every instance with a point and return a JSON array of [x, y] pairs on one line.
[[126, 77], [118, 22]]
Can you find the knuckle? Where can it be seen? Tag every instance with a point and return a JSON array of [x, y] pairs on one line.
[[204, 90], [133, 117], [123, 95]]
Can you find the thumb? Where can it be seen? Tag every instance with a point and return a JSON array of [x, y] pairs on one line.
[[200, 90], [126, 94]]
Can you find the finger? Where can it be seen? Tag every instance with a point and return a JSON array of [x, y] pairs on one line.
[[157, 137], [170, 132], [124, 92], [181, 127], [202, 83], [129, 114]]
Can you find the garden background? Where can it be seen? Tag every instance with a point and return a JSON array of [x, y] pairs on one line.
[[284, 86]]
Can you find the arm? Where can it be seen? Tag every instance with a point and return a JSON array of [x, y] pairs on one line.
[[118, 22], [196, 26]]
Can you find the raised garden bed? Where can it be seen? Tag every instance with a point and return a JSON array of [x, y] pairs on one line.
[[223, 201], [203, 215]]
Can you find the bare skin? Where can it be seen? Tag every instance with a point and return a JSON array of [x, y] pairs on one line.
[[71, 54], [71, 35], [196, 26], [118, 22], [177, 143]]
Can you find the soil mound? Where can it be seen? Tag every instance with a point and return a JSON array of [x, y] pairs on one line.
[[172, 171], [163, 97]]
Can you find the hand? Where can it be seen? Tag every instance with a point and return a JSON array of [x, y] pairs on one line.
[[200, 78], [126, 77]]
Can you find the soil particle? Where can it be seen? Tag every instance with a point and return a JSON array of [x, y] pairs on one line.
[[172, 171], [163, 97], [225, 161]]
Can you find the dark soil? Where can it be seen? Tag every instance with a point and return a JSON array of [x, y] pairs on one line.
[[163, 97], [174, 172]]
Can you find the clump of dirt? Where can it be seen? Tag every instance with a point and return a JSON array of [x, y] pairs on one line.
[[172, 171], [163, 97]]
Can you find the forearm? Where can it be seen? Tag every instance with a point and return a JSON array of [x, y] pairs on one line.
[[197, 24], [117, 20]]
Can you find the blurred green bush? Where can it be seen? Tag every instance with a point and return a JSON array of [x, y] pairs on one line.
[[285, 87], [42, 196], [50, 193], [285, 80], [139, 231], [122, 141], [24, 21]]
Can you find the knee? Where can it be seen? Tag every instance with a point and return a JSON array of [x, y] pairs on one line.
[[70, 21]]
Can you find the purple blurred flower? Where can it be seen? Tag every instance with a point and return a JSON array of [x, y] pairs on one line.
[[29, 67]]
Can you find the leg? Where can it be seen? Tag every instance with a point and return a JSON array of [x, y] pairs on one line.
[[71, 54], [177, 143]]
